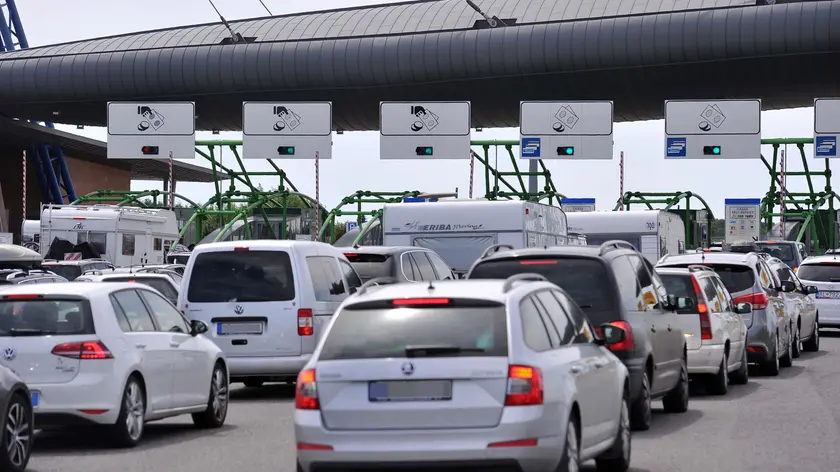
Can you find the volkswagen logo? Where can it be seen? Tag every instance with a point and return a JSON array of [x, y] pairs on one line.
[[238, 309], [9, 354], [408, 368]]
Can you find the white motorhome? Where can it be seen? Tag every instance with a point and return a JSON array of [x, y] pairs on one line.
[[30, 234], [460, 231], [125, 236], [653, 232]]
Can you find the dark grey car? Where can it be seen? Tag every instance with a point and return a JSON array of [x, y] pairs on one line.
[[403, 263], [613, 283], [18, 420]]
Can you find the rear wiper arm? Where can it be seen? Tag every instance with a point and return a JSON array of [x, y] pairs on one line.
[[30, 332], [438, 350], [585, 306]]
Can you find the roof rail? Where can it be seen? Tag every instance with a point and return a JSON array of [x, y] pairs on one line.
[[616, 244], [376, 281], [693, 267], [530, 277], [494, 249]]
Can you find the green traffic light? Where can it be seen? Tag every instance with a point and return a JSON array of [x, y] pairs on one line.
[[566, 150], [715, 150], [424, 151], [286, 150], [570, 151]]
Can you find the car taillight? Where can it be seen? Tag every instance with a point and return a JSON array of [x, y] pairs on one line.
[[759, 301], [306, 391], [22, 297], [305, 323], [525, 386], [702, 310], [83, 350]]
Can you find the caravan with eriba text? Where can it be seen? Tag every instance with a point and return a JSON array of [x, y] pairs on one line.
[[125, 236]]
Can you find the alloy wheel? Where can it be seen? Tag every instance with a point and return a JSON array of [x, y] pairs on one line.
[[135, 411], [219, 393], [572, 448], [18, 434], [625, 430]]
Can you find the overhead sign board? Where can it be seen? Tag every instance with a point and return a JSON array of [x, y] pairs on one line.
[[713, 129], [424, 130], [577, 205], [826, 127], [566, 130], [742, 219], [151, 130], [286, 130]]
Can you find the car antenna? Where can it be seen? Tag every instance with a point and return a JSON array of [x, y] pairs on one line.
[[431, 287], [703, 256]]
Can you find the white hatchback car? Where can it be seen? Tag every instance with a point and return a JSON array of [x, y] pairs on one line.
[[492, 374], [113, 354], [163, 283]]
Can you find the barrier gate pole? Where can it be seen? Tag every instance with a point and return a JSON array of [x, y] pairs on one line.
[[621, 180], [782, 195], [317, 197], [472, 172], [23, 187], [171, 184]]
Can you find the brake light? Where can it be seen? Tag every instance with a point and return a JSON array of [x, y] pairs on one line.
[[313, 447], [306, 391], [348, 254], [239, 249], [525, 386], [305, 322], [538, 262], [519, 443], [702, 311], [132, 280], [421, 301], [23, 297], [759, 301], [83, 350]]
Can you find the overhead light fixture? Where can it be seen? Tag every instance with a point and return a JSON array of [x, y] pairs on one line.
[[80, 126], [215, 131], [478, 130], [339, 131]]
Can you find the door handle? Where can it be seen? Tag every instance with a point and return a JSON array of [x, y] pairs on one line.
[[653, 329], [140, 346], [174, 344], [601, 364], [669, 328], [575, 369]]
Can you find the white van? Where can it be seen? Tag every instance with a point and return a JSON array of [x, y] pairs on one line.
[[266, 302]]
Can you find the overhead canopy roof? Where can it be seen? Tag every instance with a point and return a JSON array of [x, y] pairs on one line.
[[23, 136], [636, 52]]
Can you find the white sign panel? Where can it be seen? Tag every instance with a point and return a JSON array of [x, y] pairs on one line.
[[713, 129], [742, 219], [151, 130], [424, 130], [577, 205], [566, 130], [826, 127], [291, 130]]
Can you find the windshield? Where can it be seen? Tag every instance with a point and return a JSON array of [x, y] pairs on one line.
[[69, 272], [824, 272], [736, 278], [45, 317], [161, 285], [680, 286], [369, 266], [785, 252], [584, 279], [387, 332], [241, 276]]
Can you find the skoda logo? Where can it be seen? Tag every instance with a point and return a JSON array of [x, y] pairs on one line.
[[238, 309], [9, 354], [408, 368]]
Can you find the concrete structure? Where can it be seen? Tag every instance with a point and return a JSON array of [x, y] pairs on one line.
[[635, 52]]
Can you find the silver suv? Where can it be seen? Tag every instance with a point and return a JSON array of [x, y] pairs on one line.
[[490, 374], [749, 279]]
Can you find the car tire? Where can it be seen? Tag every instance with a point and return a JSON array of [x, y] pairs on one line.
[[617, 457], [641, 414], [18, 431], [813, 344], [253, 383], [217, 402], [787, 359], [131, 422], [718, 384], [771, 367], [570, 459], [676, 401], [742, 375], [796, 344]]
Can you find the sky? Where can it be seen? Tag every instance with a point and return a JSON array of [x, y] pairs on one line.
[[355, 163]]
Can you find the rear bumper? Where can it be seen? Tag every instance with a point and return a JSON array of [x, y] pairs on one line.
[[829, 314], [66, 404], [266, 366], [759, 343], [424, 449], [706, 359]]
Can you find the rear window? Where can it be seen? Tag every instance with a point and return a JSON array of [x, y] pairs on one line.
[[785, 252], [828, 272], [680, 286], [383, 332], [583, 279], [45, 317], [370, 266], [241, 276], [736, 278], [69, 272], [162, 286]]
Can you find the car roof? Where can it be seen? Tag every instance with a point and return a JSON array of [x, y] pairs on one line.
[[551, 251], [821, 259], [382, 249], [487, 289], [83, 261], [87, 290], [259, 244], [135, 275], [708, 257]]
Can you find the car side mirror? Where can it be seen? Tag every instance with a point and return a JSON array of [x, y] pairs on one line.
[[197, 327], [788, 286], [743, 308], [811, 289], [610, 334]]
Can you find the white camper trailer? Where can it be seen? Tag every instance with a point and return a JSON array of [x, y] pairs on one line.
[[30, 234], [125, 236], [460, 231], [653, 232]]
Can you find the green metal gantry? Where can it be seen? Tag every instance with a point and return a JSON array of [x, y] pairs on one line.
[[493, 176]]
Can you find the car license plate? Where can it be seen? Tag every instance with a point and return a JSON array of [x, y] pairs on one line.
[[226, 329], [36, 397], [828, 295], [410, 391]]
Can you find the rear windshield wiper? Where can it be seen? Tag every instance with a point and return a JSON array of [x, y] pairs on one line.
[[585, 306], [438, 350], [834, 279], [30, 332]]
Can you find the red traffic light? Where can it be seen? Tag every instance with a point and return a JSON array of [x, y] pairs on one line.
[[150, 150]]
